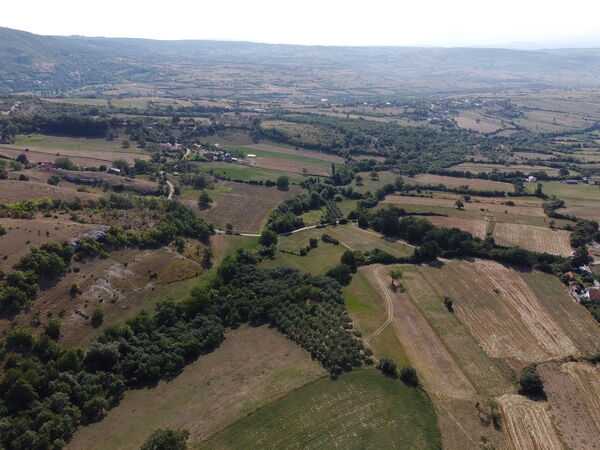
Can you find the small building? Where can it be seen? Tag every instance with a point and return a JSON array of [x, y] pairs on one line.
[[46, 165], [251, 155], [114, 171], [594, 294], [572, 181], [531, 179]]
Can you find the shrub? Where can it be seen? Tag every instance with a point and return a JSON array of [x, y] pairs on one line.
[[54, 180], [97, 317], [342, 273]]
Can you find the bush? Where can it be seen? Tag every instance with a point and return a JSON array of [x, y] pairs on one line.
[[97, 317], [313, 243], [54, 180]]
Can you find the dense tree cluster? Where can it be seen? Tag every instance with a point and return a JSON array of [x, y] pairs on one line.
[[46, 391]]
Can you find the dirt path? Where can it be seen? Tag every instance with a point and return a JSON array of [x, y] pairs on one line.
[[171, 190], [380, 279], [425, 350]]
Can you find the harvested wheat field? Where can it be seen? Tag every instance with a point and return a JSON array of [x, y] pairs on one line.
[[82, 158], [476, 206], [537, 239], [571, 415], [587, 379], [501, 310], [529, 424], [425, 350], [251, 368], [477, 227], [291, 151]]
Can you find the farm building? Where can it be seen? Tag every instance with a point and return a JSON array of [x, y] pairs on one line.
[[594, 294], [114, 171], [572, 181]]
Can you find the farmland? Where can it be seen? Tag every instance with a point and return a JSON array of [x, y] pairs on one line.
[[529, 424], [498, 306], [472, 183], [380, 412], [245, 206], [532, 238], [477, 227], [206, 396]]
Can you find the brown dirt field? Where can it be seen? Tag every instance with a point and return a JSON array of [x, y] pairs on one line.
[[15, 191], [569, 410], [251, 368], [500, 309], [587, 379], [14, 243], [529, 424], [537, 239], [79, 157], [287, 165], [246, 207], [437, 368], [449, 203], [476, 227], [473, 183], [290, 151]]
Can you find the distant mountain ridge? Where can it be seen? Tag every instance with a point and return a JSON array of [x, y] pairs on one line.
[[54, 64]]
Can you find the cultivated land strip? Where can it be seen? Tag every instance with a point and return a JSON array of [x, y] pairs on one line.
[[424, 348]]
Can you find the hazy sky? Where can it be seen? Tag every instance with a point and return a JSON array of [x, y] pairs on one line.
[[337, 22]]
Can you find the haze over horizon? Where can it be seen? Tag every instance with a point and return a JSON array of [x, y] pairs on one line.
[[513, 23]]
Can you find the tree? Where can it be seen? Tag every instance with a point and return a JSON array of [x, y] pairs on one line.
[[408, 374], [563, 172], [530, 382], [268, 238], [341, 273], [395, 275], [283, 183], [538, 191], [359, 180], [53, 329], [204, 200], [125, 143], [229, 228], [166, 439], [459, 204], [388, 367], [97, 317], [313, 242], [448, 304], [22, 158], [363, 222], [349, 258]]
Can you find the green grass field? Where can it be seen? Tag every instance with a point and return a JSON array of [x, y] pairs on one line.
[[368, 311], [362, 409], [269, 154], [71, 143]]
